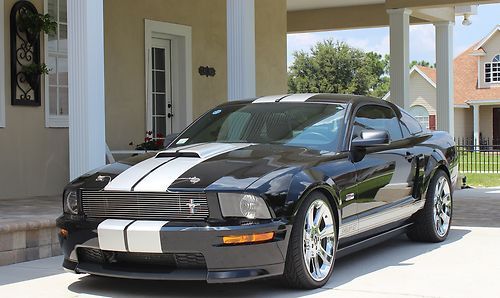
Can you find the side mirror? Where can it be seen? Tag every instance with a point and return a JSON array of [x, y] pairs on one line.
[[371, 138], [169, 139]]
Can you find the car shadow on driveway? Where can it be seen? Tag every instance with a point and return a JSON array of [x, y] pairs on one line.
[[396, 252]]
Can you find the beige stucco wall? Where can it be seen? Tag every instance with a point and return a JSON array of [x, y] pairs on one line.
[[422, 93], [33, 158], [492, 48], [463, 123], [124, 56], [270, 47]]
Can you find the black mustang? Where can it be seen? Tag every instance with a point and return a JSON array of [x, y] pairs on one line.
[[280, 185]]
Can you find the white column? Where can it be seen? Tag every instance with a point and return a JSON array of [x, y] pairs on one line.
[[476, 124], [399, 26], [87, 145], [240, 49], [2, 65], [444, 84]]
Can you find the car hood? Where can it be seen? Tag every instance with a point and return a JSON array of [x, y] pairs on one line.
[[213, 166]]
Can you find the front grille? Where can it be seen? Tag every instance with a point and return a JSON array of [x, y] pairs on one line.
[[145, 205], [149, 261]]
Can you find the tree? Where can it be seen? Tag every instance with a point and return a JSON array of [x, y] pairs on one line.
[[422, 63], [335, 67]]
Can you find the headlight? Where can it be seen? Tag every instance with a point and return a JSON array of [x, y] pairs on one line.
[[70, 202], [243, 205]]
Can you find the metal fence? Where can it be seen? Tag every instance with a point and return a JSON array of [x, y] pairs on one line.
[[481, 156]]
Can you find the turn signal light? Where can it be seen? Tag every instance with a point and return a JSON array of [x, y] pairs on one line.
[[240, 239], [64, 233]]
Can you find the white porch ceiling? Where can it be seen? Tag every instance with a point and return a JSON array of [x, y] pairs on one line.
[[317, 4]]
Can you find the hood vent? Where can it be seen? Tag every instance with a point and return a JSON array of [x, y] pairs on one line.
[[177, 154]]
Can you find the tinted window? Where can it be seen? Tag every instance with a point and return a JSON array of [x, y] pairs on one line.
[[316, 126], [410, 124], [374, 117]]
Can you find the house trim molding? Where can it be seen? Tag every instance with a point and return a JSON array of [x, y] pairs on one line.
[[181, 38], [483, 102], [484, 40], [2, 64], [51, 121], [415, 68]]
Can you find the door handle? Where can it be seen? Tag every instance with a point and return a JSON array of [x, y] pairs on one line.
[[170, 115]]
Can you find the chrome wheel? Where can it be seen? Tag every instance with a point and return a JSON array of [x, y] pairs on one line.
[[442, 206], [319, 240]]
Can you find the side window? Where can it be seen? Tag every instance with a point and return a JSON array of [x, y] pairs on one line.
[[374, 117], [410, 124]]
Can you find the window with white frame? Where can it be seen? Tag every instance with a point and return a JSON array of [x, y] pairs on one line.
[[421, 114], [56, 49], [492, 70]]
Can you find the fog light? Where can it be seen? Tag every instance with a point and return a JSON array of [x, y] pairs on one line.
[[239, 239]]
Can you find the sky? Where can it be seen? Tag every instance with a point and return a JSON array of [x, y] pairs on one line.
[[422, 37]]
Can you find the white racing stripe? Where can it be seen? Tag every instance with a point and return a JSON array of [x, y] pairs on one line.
[[110, 234], [298, 97], [165, 175], [271, 98], [144, 236], [126, 180]]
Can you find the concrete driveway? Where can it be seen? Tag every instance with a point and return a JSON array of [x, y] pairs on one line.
[[466, 265]]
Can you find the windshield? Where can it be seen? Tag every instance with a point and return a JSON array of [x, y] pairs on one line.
[[311, 125]]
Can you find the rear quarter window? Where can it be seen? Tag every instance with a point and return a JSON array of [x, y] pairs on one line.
[[409, 124]]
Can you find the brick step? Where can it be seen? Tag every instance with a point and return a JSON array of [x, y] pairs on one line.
[[22, 241]]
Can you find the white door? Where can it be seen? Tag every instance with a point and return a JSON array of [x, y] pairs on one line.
[[160, 106]]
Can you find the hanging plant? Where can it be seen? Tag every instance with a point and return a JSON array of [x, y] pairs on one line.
[[32, 73], [33, 24]]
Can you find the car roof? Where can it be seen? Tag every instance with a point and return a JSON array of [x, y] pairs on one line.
[[309, 97]]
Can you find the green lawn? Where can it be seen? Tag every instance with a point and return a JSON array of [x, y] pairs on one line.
[[481, 180]]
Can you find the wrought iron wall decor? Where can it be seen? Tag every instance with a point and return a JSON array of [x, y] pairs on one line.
[[24, 52]]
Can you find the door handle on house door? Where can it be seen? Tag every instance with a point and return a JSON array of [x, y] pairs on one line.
[[170, 115]]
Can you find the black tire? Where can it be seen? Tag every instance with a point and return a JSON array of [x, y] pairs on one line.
[[424, 228], [296, 274]]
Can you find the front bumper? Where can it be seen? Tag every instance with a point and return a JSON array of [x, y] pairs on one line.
[[190, 251]]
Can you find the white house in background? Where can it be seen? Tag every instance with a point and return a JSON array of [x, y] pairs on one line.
[[476, 91]]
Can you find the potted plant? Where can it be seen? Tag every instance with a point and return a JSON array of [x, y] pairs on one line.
[[32, 73], [150, 143], [33, 23]]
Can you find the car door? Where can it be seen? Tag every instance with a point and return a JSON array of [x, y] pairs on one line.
[[384, 174]]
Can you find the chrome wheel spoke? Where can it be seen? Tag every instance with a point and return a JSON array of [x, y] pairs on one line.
[[310, 219], [319, 215], [440, 187], [328, 231], [316, 267], [444, 217], [326, 257]]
